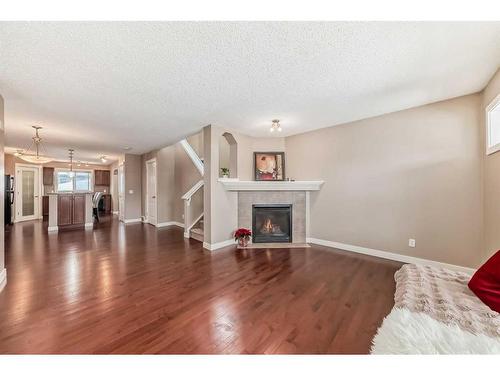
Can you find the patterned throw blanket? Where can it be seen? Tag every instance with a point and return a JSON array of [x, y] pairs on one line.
[[444, 295], [435, 312]]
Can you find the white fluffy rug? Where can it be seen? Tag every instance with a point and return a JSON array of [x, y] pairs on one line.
[[406, 332]]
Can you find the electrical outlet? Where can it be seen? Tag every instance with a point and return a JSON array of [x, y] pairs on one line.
[[411, 242]]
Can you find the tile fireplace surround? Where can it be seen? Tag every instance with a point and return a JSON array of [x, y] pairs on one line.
[[296, 198], [295, 193]]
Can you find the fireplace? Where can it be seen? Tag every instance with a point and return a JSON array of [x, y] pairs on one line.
[[271, 223]]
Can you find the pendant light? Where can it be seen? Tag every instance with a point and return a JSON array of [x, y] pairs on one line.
[[71, 173], [34, 156]]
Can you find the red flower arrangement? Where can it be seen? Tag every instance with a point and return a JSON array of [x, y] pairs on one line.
[[242, 235]]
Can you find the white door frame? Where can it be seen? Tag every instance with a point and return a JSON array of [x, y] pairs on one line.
[[115, 198], [17, 200], [155, 201], [121, 192]]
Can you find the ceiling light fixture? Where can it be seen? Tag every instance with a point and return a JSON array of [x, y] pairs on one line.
[[103, 159], [275, 126], [34, 157]]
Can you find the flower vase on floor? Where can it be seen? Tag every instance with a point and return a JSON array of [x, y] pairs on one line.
[[243, 242], [242, 235]]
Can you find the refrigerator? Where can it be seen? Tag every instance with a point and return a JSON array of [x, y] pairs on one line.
[[9, 198]]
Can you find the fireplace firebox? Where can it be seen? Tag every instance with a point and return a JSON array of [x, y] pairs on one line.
[[271, 223]]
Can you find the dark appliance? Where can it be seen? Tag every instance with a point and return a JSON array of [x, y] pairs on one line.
[[9, 198]]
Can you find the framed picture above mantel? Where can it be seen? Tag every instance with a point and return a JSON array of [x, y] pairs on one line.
[[269, 166]]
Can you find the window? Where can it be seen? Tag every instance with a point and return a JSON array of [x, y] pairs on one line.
[[76, 181], [493, 126]]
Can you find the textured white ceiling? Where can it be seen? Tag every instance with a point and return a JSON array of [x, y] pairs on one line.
[[99, 87]]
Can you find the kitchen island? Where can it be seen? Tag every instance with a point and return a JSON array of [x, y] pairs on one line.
[[70, 210]]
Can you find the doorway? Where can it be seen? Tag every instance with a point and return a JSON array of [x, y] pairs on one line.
[[27, 201], [151, 190]]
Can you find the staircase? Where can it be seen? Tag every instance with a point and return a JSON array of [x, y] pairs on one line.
[[196, 232], [193, 199]]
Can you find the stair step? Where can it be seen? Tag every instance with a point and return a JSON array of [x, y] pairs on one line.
[[197, 234], [197, 230]]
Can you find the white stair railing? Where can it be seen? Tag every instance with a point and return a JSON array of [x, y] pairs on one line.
[[191, 217], [198, 163]]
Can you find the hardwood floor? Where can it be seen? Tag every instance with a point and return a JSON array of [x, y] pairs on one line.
[[138, 289]]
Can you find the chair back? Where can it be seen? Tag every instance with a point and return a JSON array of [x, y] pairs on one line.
[[96, 198]]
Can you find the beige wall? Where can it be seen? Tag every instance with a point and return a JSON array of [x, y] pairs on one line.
[[186, 176], [196, 142], [491, 177], [2, 193], [410, 174], [224, 155], [176, 174], [247, 146], [221, 206], [207, 179], [133, 187], [165, 159]]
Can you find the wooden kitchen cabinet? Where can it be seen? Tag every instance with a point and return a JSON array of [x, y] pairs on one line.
[[102, 177], [45, 205], [78, 209], [70, 209], [97, 177], [65, 209], [48, 176]]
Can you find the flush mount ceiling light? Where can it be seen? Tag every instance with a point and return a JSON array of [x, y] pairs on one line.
[[103, 159], [275, 126], [34, 156]]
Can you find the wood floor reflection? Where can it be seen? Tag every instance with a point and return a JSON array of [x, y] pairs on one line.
[[139, 289]]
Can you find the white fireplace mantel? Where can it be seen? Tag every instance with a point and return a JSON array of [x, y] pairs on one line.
[[234, 184]]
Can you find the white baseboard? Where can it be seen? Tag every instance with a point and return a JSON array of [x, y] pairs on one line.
[[53, 229], [217, 245], [115, 212], [131, 221], [89, 225], [388, 255], [3, 279], [169, 223]]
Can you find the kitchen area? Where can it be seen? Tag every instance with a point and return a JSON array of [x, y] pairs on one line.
[[67, 206], [66, 196], [102, 183]]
